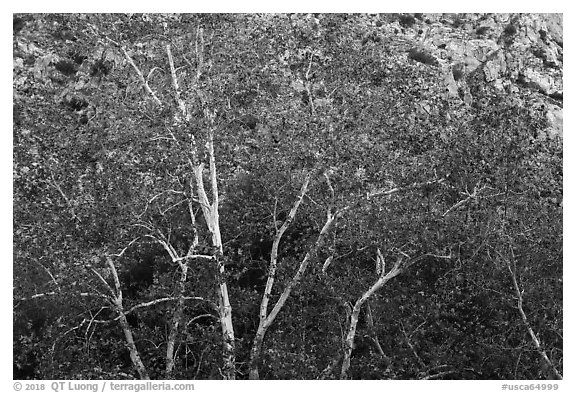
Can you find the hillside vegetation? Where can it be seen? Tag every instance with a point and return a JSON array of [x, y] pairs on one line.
[[272, 196]]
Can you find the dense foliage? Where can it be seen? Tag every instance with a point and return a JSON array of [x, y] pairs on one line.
[[101, 169]]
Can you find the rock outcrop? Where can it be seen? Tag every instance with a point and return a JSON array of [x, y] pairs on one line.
[[512, 53]]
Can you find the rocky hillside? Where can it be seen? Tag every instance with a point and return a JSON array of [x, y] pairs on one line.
[[521, 54]]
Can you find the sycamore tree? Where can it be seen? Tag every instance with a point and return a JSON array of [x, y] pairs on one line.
[[257, 196]]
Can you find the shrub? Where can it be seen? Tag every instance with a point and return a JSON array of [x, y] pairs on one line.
[[510, 30], [422, 57], [482, 30], [406, 20]]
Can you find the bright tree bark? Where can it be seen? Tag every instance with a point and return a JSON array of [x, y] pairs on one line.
[[264, 319], [519, 305], [211, 216], [117, 301], [349, 342], [210, 213]]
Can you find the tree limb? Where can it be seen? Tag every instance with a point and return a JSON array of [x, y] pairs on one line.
[[140, 75], [519, 306]]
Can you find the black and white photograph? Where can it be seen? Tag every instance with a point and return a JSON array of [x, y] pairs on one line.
[[287, 196]]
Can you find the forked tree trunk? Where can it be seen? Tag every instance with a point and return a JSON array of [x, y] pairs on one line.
[[267, 319], [211, 216], [349, 342]]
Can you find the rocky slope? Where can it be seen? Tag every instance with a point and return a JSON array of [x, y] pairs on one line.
[[521, 54]]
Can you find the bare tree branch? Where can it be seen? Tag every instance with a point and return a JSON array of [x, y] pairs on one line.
[[470, 196], [520, 307], [49, 273], [45, 294], [410, 345], [55, 184], [140, 75], [179, 101], [103, 281]]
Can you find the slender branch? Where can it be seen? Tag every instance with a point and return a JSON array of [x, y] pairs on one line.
[[409, 342], [301, 270], [197, 317], [470, 196], [373, 334], [45, 294], [275, 246], [92, 321], [114, 272], [194, 256], [275, 215], [438, 375], [152, 71], [140, 75], [162, 300], [59, 189], [177, 316], [103, 281], [327, 264], [125, 248], [167, 246], [129, 336], [386, 192], [519, 306], [163, 212], [49, 273], [179, 101]]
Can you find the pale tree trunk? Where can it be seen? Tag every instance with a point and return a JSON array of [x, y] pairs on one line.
[[210, 210], [211, 216], [117, 300]]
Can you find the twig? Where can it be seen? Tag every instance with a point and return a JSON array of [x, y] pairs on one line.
[[197, 317], [409, 342], [50, 274], [439, 375], [125, 248], [103, 281], [470, 196], [59, 189]]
